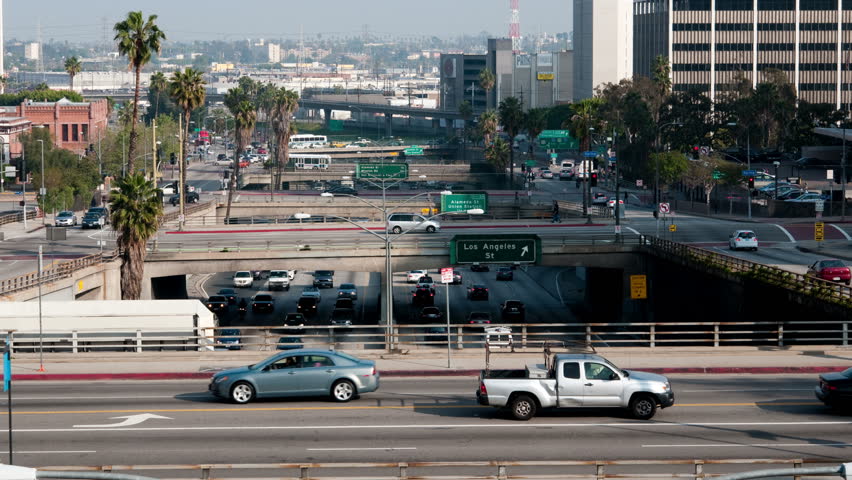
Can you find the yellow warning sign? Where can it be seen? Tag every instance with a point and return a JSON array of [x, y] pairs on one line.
[[673, 228], [819, 231], [638, 287]]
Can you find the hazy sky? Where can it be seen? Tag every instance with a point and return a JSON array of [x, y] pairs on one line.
[[84, 20]]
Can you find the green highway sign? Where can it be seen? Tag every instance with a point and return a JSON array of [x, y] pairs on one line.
[[717, 175], [462, 202], [381, 171], [495, 249], [414, 150], [554, 134], [558, 140], [530, 163]]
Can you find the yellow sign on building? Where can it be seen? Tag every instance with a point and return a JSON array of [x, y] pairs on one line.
[[545, 76], [638, 287]]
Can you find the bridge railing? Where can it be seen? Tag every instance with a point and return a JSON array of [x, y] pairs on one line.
[[695, 469], [188, 209], [17, 217], [55, 272], [434, 336]]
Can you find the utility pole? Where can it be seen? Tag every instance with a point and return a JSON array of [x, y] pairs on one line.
[[617, 189], [154, 155], [181, 180]]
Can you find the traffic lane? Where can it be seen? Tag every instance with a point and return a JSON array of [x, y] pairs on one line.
[[790, 259], [699, 229]]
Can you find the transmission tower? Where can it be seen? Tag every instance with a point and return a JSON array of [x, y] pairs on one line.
[[515, 27]]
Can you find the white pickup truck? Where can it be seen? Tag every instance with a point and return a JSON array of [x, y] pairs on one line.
[[279, 280], [574, 380]]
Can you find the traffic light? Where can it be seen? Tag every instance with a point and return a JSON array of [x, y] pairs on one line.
[[173, 158], [750, 183], [594, 179], [695, 151]]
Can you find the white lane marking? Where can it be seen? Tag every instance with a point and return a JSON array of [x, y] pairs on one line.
[[738, 445], [751, 390], [24, 452], [558, 290], [350, 448], [116, 397], [634, 231], [128, 421], [792, 240], [842, 232], [434, 427]]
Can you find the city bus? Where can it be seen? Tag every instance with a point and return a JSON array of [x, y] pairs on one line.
[[307, 161], [308, 141]]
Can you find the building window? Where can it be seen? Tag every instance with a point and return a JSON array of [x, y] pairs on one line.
[[776, 27], [818, 46], [821, 27], [691, 47], [733, 27], [691, 87], [683, 5], [776, 66], [847, 4], [734, 4], [776, 4], [817, 87], [691, 27], [733, 67], [75, 133], [64, 132], [691, 67], [818, 4], [766, 47], [732, 47]]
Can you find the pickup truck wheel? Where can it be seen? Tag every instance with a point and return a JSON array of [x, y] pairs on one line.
[[643, 407], [523, 407]]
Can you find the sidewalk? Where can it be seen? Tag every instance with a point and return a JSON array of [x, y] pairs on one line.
[[666, 360]]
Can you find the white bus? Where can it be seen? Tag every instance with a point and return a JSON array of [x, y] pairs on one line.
[[308, 141], [307, 161]]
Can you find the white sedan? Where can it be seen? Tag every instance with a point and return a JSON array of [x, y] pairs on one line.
[[414, 275], [546, 174], [599, 199]]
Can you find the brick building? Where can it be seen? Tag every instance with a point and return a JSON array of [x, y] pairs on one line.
[[73, 125]]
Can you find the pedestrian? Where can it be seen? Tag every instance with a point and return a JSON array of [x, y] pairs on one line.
[[625, 198], [555, 218]]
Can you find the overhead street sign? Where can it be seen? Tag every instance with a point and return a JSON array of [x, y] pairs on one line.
[[557, 140], [590, 154], [749, 173], [717, 175], [495, 249], [462, 202], [414, 150], [381, 171], [638, 287]]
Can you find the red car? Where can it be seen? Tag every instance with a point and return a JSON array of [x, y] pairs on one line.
[[831, 270], [244, 163]]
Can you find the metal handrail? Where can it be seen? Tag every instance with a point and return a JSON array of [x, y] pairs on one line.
[[55, 272]]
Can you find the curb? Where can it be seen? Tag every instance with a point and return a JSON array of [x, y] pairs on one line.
[[422, 373]]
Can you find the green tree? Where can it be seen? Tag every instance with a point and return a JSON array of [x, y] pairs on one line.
[[157, 85], [187, 90], [486, 82], [488, 126], [661, 72], [535, 122], [72, 67], [671, 165], [511, 114], [136, 209], [244, 111], [284, 104], [138, 39], [585, 117], [497, 154]]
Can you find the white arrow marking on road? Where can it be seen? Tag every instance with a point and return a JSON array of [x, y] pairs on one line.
[[524, 250], [129, 420]]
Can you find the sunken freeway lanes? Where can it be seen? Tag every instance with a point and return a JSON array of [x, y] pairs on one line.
[[413, 419]]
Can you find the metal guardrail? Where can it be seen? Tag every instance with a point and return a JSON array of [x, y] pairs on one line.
[[17, 217], [695, 469], [188, 209], [56, 272], [577, 209], [433, 336]]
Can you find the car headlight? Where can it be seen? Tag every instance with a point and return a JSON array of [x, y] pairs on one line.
[[220, 379]]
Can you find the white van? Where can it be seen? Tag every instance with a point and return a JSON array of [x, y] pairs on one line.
[[404, 222], [566, 164]]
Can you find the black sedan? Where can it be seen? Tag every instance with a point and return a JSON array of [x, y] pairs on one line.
[[512, 311], [189, 197], [217, 303], [835, 389], [230, 294], [262, 302], [505, 273], [431, 315], [424, 296], [478, 267], [477, 292]]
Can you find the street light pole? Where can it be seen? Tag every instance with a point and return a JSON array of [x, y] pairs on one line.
[[748, 163], [776, 163], [24, 183], [42, 191]]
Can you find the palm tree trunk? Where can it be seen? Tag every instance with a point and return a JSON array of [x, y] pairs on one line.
[[511, 165], [71, 81], [132, 266], [157, 108], [131, 148], [182, 161]]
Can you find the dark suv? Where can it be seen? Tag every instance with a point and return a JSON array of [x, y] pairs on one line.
[[423, 296], [188, 197], [307, 306], [477, 292], [324, 278]]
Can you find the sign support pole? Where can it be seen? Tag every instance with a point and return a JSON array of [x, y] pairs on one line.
[[449, 343], [7, 385]]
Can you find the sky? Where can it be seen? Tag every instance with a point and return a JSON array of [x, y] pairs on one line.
[[182, 20]]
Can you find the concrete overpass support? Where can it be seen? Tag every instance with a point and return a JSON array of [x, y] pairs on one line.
[[388, 124], [326, 122]]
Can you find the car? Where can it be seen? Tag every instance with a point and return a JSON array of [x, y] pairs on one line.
[[811, 162], [505, 273], [477, 267], [298, 373], [293, 320], [230, 338], [808, 197], [312, 292], [307, 306], [289, 343], [347, 290], [599, 199], [831, 270], [790, 194], [566, 174], [479, 318], [103, 211], [431, 315], [341, 190], [414, 275], [426, 282], [411, 222], [342, 317], [65, 219], [217, 303], [546, 174], [423, 296], [278, 280], [244, 163], [228, 293], [835, 389], [92, 220], [457, 277], [512, 311], [262, 302], [243, 279], [324, 279], [743, 240], [477, 292], [188, 197], [344, 302], [436, 335], [221, 156]]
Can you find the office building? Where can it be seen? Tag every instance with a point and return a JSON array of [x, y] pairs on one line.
[[32, 51], [603, 44], [713, 43]]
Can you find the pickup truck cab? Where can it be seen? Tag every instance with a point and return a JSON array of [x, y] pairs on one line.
[[574, 380]]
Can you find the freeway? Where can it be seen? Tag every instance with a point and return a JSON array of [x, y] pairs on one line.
[[414, 419]]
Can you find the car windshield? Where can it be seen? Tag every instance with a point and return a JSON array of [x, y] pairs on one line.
[[226, 291], [66, 214], [430, 310], [513, 304], [479, 316], [341, 313], [347, 286], [324, 273], [832, 264], [847, 373], [230, 332], [307, 301], [243, 275], [263, 298], [276, 274], [216, 298], [479, 287], [310, 290]]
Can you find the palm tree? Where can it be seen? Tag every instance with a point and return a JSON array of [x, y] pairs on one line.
[[245, 117], [136, 211], [488, 126], [498, 154], [486, 82], [466, 112], [585, 117], [73, 67], [158, 83], [535, 122], [284, 103], [187, 91], [138, 40], [511, 114]]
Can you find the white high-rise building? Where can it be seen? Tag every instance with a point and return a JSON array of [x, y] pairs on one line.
[[31, 51], [273, 51], [603, 44]]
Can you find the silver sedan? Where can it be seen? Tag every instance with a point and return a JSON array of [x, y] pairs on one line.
[[298, 373]]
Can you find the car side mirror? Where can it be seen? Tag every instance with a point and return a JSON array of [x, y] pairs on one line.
[[613, 376]]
